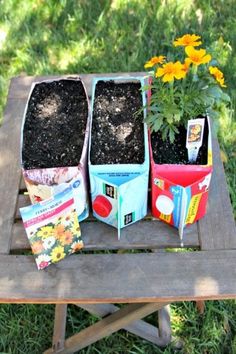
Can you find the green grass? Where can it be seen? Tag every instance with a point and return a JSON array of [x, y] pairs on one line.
[[28, 330], [56, 37]]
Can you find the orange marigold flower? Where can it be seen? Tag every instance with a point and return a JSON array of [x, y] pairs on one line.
[[197, 57], [37, 247], [186, 65], [59, 230], [66, 238], [155, 60], [171, 71], [218, 75], [188, 40]]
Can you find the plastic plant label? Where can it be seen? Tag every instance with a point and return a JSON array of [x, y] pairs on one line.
[[52, 228], [194, 137]]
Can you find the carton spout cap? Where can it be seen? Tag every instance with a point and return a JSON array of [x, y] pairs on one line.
[[102, 206]]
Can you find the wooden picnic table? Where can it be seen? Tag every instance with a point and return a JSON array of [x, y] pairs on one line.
[[148, 281]]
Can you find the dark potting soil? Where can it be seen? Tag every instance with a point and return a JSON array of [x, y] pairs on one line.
[[55, 125], [165, 152], [117, 133]]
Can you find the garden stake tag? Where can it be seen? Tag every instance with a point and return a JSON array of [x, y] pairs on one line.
[[119, 191], [194, 137]]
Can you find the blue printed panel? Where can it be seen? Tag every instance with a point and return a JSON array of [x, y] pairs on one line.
[[119, 192], [133, 200]]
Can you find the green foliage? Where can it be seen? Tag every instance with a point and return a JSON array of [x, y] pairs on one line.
[[28, 329], [173, 103]]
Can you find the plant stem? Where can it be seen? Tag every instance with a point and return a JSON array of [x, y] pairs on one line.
[[171, 83], [194, 71]]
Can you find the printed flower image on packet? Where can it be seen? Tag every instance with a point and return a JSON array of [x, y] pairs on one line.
[[52, 228]]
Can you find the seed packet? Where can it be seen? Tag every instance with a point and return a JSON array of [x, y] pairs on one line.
[[52, 228]]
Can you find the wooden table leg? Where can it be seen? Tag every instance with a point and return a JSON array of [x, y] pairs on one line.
[[59, 328], [107, 326], [164, 324], [200, 306], [139, 327]]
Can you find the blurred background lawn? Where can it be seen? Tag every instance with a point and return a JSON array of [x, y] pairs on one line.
[[88, 36]]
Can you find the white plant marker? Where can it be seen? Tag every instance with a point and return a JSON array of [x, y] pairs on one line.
[[194, 137]]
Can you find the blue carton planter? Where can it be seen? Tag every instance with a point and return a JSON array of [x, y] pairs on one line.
[[119, 191]]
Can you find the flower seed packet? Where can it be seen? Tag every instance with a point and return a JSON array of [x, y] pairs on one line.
[[52, 228]]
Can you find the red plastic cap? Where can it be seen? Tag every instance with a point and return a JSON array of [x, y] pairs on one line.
[[102, 206]]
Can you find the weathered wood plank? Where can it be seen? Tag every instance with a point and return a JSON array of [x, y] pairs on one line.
[[20, 85], [139, 328], [141, 235], [107, 326], [22, 201], [217, 229], [9, 168], [22, 184], [124, 278]]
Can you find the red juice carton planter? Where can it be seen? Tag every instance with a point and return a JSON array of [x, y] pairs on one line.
[[44, 183], [119, 191], [180, 192]]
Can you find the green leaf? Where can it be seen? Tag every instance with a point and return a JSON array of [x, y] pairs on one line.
[[214, 91], [151, 118], [208, 101], [175, 129], [154, 108], [157, 124], [171, 135], [146, 87], [169, 119], [177, 117], [225, 97]]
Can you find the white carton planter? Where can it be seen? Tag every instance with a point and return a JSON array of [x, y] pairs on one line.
[[43, 183]]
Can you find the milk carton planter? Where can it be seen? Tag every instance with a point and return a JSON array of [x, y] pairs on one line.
[[119, 156], [54, 141], [179, 188], [184, 86]]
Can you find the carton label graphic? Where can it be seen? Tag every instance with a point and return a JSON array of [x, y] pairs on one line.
[[129, 218], [39, 191], [110, 191], [193, 208], [165, 217]]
